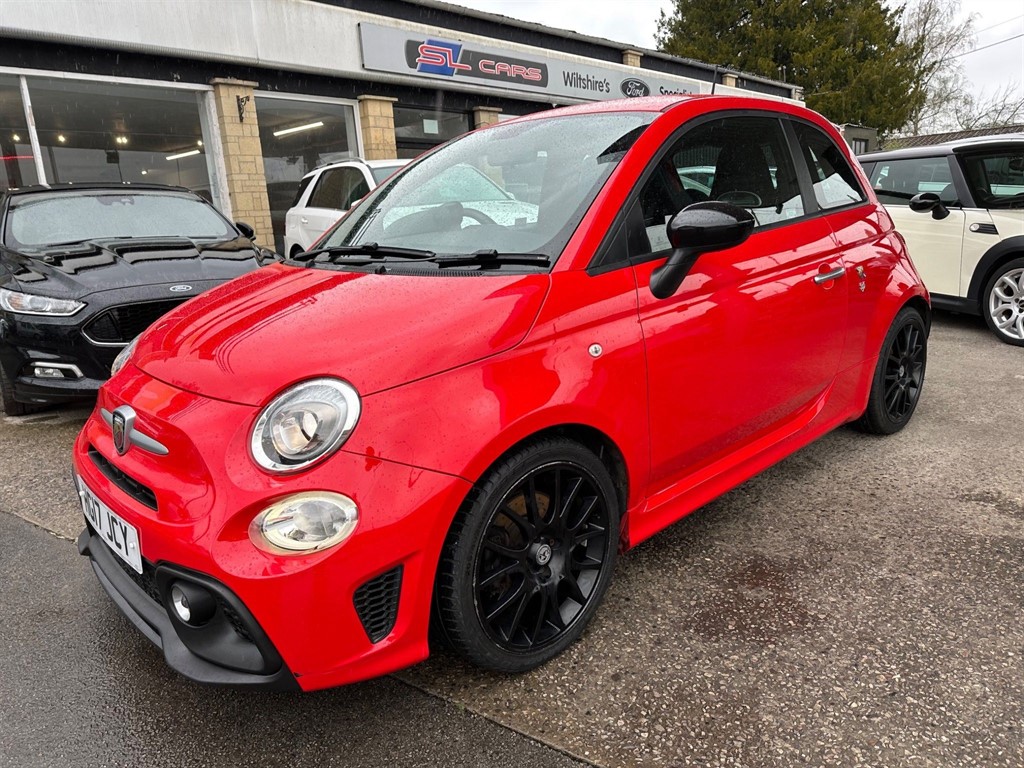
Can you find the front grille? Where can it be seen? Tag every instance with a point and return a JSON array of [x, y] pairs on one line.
[[376, 604], [144, 581], [126, 483], [121, 324]]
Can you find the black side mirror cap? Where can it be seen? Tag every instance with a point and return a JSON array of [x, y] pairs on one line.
[[699, 228], [929, 201], [246, 229]]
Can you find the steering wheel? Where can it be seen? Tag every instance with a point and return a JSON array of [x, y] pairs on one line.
[[741, 198], [479, 217]]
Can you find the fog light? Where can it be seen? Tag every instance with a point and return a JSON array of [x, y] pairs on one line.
[[192, 604], [56, 371]]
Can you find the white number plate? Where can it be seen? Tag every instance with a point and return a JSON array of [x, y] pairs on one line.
[[119, 535]]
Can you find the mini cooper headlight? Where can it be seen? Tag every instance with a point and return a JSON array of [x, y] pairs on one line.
[[304, 424], [30, 304], [123, 357], [305, 522]]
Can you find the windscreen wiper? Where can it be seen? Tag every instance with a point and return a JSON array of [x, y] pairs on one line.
[[490, 257], [372, 251]]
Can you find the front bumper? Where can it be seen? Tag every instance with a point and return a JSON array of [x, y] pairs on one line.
[[232, 632], [352, 612]]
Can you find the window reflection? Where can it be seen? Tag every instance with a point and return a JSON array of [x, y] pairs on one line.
[[17, 168], [296, 137], [119, 132]]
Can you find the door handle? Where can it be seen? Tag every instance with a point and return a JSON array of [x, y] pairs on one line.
[[833, 275], [304, 220]]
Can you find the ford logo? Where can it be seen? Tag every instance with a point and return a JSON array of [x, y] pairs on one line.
[[180, 288], [633, 88]]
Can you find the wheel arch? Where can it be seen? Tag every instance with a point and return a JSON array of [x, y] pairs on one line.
[[1002, 252]]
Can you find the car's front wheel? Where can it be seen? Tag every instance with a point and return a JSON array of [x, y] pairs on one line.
[[11, 406], [529, 557], [899, 375], [1003, 302]]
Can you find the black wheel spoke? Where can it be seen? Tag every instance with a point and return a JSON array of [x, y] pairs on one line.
[[499, 573], [518, 520], [554, 610], [517, 617], [530, 497], [506, 601], [505, 551], [573, 590]]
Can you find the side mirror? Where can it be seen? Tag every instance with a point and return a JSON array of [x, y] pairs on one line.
[[699, 228], [246, 229], [929, 201]]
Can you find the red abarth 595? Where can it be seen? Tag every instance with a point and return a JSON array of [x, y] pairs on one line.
[[524, 353]]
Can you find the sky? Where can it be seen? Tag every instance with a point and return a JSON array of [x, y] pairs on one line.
[[635, 22]]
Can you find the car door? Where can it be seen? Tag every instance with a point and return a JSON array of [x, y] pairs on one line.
[[337, 190], [935, 245], [750, 343]]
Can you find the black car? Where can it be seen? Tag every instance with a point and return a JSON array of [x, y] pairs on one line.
[[84, 268]]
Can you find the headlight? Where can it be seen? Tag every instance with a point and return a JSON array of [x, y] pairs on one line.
[[304, 424], [29, 304], [306, 522], [123, 356]]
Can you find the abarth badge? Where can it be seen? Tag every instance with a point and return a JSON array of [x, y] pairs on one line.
[[121, 424]]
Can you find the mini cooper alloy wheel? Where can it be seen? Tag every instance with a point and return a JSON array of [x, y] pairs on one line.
[[1005, 303]]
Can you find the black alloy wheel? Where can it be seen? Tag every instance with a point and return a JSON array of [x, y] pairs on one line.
[[528, 561], [899, 375]]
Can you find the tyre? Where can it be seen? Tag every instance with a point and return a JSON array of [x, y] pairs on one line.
[[1002, 303], [529, 557], [899, 375], [7, 401]]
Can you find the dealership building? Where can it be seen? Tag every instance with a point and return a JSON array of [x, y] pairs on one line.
[[239, 99]]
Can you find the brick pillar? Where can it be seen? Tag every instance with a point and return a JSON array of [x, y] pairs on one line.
[[377, 122], [730, 80], [631, 58], [485, 116], [243, 156]]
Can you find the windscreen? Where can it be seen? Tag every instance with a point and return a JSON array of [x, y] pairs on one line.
[[63, 218], [520, 187]]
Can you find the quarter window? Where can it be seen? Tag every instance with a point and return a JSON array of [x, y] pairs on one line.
[[896, 181], [739, 160], [835, 183], [997, 180], [338, 188]]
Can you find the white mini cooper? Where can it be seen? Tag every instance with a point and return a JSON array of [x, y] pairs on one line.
[[970, 250]]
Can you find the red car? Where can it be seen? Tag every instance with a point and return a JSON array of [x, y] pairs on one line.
[[526, 352]]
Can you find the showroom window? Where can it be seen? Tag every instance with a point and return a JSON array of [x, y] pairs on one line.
[[418, 129], [17, 166], [112, 130], [298, 135]]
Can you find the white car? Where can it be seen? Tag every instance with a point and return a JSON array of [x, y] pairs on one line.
[[970, 250], [326, 193]]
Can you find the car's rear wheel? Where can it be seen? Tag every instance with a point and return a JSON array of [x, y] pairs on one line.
[[1003, 303], [529, 557], [899, 375]]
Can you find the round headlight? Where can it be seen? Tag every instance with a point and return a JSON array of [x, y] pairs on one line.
[[123, 357], [305, 522], [304, 424]]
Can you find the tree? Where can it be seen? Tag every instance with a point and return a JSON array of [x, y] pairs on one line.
[[847, 55], [945, 102]]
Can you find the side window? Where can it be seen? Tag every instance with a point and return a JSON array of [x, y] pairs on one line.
[[896, 181], [302, 188], [741, 160], [997, 180], [835, 183], [338, 188]]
